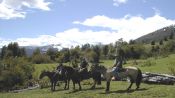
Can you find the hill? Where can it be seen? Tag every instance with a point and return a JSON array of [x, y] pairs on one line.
[[157, 35]]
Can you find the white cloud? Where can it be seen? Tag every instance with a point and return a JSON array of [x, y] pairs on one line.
[[129, 27], [68, 38], [15, 8], [71, 37], [118, 2]]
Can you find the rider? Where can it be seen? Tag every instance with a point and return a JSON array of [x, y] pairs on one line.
[[118, 62], [117, 67], [84, 66], [59, 65]]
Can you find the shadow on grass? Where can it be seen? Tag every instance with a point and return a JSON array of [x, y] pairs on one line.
[[60, 90], [124, 91], [76, 90], [99, 88]]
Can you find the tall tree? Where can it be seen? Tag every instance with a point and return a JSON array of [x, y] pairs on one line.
[[105, 50]]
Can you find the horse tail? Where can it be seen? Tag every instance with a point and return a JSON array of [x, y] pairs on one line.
[[139, 77]]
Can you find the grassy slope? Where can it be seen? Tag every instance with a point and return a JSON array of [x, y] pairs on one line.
[[160, 65]]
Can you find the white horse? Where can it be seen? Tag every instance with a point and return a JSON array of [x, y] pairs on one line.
[[134, 74]]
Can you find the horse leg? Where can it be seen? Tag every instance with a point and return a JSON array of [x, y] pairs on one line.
[[131, 80], [79, 85], [139, 79], [68, 83], [129, 86], [93, 86], [138, 84], [73, 85], [51, 86], [107, 86], [54, 86], [65, 84]]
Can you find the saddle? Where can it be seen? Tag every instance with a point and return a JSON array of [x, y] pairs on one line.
[[116, 72], [121, 70], [83, 73]]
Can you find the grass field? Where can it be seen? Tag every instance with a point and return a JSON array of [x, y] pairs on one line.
[[117, 90]]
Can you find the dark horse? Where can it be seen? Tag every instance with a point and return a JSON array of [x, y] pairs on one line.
[[77, 76], [54, 78]]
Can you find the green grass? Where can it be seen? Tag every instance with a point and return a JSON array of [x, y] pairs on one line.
[[117, 90]]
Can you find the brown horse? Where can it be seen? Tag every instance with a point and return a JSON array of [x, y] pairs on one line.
[[77, 76], [54, 78]]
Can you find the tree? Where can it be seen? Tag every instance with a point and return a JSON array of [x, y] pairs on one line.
[[161, 42], [165, 39], [12, 50], [105, 50], [131, 42], [39, 58], [171, 35], [65, 54], [86, 46], [152, 42], [3, 52], [51, 53], [97, 50], [37, 51]]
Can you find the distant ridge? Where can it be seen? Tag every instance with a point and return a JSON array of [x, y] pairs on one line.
[[157, 35]]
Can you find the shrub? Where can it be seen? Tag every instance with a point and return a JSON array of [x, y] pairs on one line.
[[39, 58], [15, 73]]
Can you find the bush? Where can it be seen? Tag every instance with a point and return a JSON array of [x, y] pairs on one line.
[[15, 72], [39, 58]]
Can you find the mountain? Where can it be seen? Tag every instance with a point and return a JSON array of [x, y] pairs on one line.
[[157, 35], [43, 49]]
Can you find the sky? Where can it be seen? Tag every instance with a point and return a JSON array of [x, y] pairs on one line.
[[76, 22]]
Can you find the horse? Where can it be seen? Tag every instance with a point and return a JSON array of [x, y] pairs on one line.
[[50, 76], [133, 73], [69, 73], [54, 78], [76, 76]]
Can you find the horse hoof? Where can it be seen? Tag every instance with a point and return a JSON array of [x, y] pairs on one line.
[[107, 91], [137, 88], [92, 88], [128, 89]]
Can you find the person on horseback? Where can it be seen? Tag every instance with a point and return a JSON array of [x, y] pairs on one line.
[[118, 63], [57, 69], [59, 65], [83, 67]]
